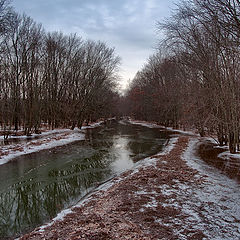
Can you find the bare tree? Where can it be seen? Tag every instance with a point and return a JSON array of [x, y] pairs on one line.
[[61, 80], [196, 82], [6, 14]]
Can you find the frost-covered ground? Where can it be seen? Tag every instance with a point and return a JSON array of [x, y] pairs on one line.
[[172, 195], [213, 205], [232, 160], [220, 157], [145, 124], [154, 125], [227, 155], [46, 140]]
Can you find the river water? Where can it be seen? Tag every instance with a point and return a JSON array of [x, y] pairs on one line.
[[35, 187]]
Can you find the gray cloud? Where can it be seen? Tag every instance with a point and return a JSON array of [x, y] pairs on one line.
[[127, 25]]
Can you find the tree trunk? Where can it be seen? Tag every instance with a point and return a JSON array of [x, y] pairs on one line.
[[73, 125], [201, 131], [232, 143], [220, 135]]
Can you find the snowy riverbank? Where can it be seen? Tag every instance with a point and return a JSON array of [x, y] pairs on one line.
[[46, 140], [172, 195], [154, 125], [232, 161]]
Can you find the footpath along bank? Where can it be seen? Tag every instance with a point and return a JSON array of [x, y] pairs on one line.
[[172, 195]]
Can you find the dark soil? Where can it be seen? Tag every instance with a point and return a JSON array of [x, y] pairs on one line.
[[209, 152]]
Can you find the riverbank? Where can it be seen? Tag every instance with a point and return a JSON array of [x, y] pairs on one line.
[[155, 125], [37, 142], [208, 150], [172, 195], [220, 158]]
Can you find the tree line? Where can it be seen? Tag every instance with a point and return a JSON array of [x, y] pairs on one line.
[[193, 79], [50, 77]]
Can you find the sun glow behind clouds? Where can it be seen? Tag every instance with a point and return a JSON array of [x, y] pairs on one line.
[[127, 25]]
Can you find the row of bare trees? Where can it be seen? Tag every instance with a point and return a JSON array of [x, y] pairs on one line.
[[194, 77], [57, 79]]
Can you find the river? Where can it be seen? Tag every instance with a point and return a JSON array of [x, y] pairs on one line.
[[35, 187]]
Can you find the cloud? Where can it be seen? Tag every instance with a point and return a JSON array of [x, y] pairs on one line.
[[127, 25]]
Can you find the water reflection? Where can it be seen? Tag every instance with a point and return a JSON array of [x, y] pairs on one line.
[[36, 187], [123, 156], [42, 196]]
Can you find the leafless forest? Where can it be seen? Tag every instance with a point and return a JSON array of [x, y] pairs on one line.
[[51, 78], [193, 79]]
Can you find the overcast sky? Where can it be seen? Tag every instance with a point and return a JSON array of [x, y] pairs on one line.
[[127, 25]]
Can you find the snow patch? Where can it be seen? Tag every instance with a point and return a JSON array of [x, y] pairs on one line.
[[34, 135], [152, 204], [191, 133], [227, 155], [213, 207], [93, 125], [153, 125], [31, 148], [144, 124], [65, 136]]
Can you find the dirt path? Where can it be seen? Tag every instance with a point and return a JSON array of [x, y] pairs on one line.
[[136, 207]]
